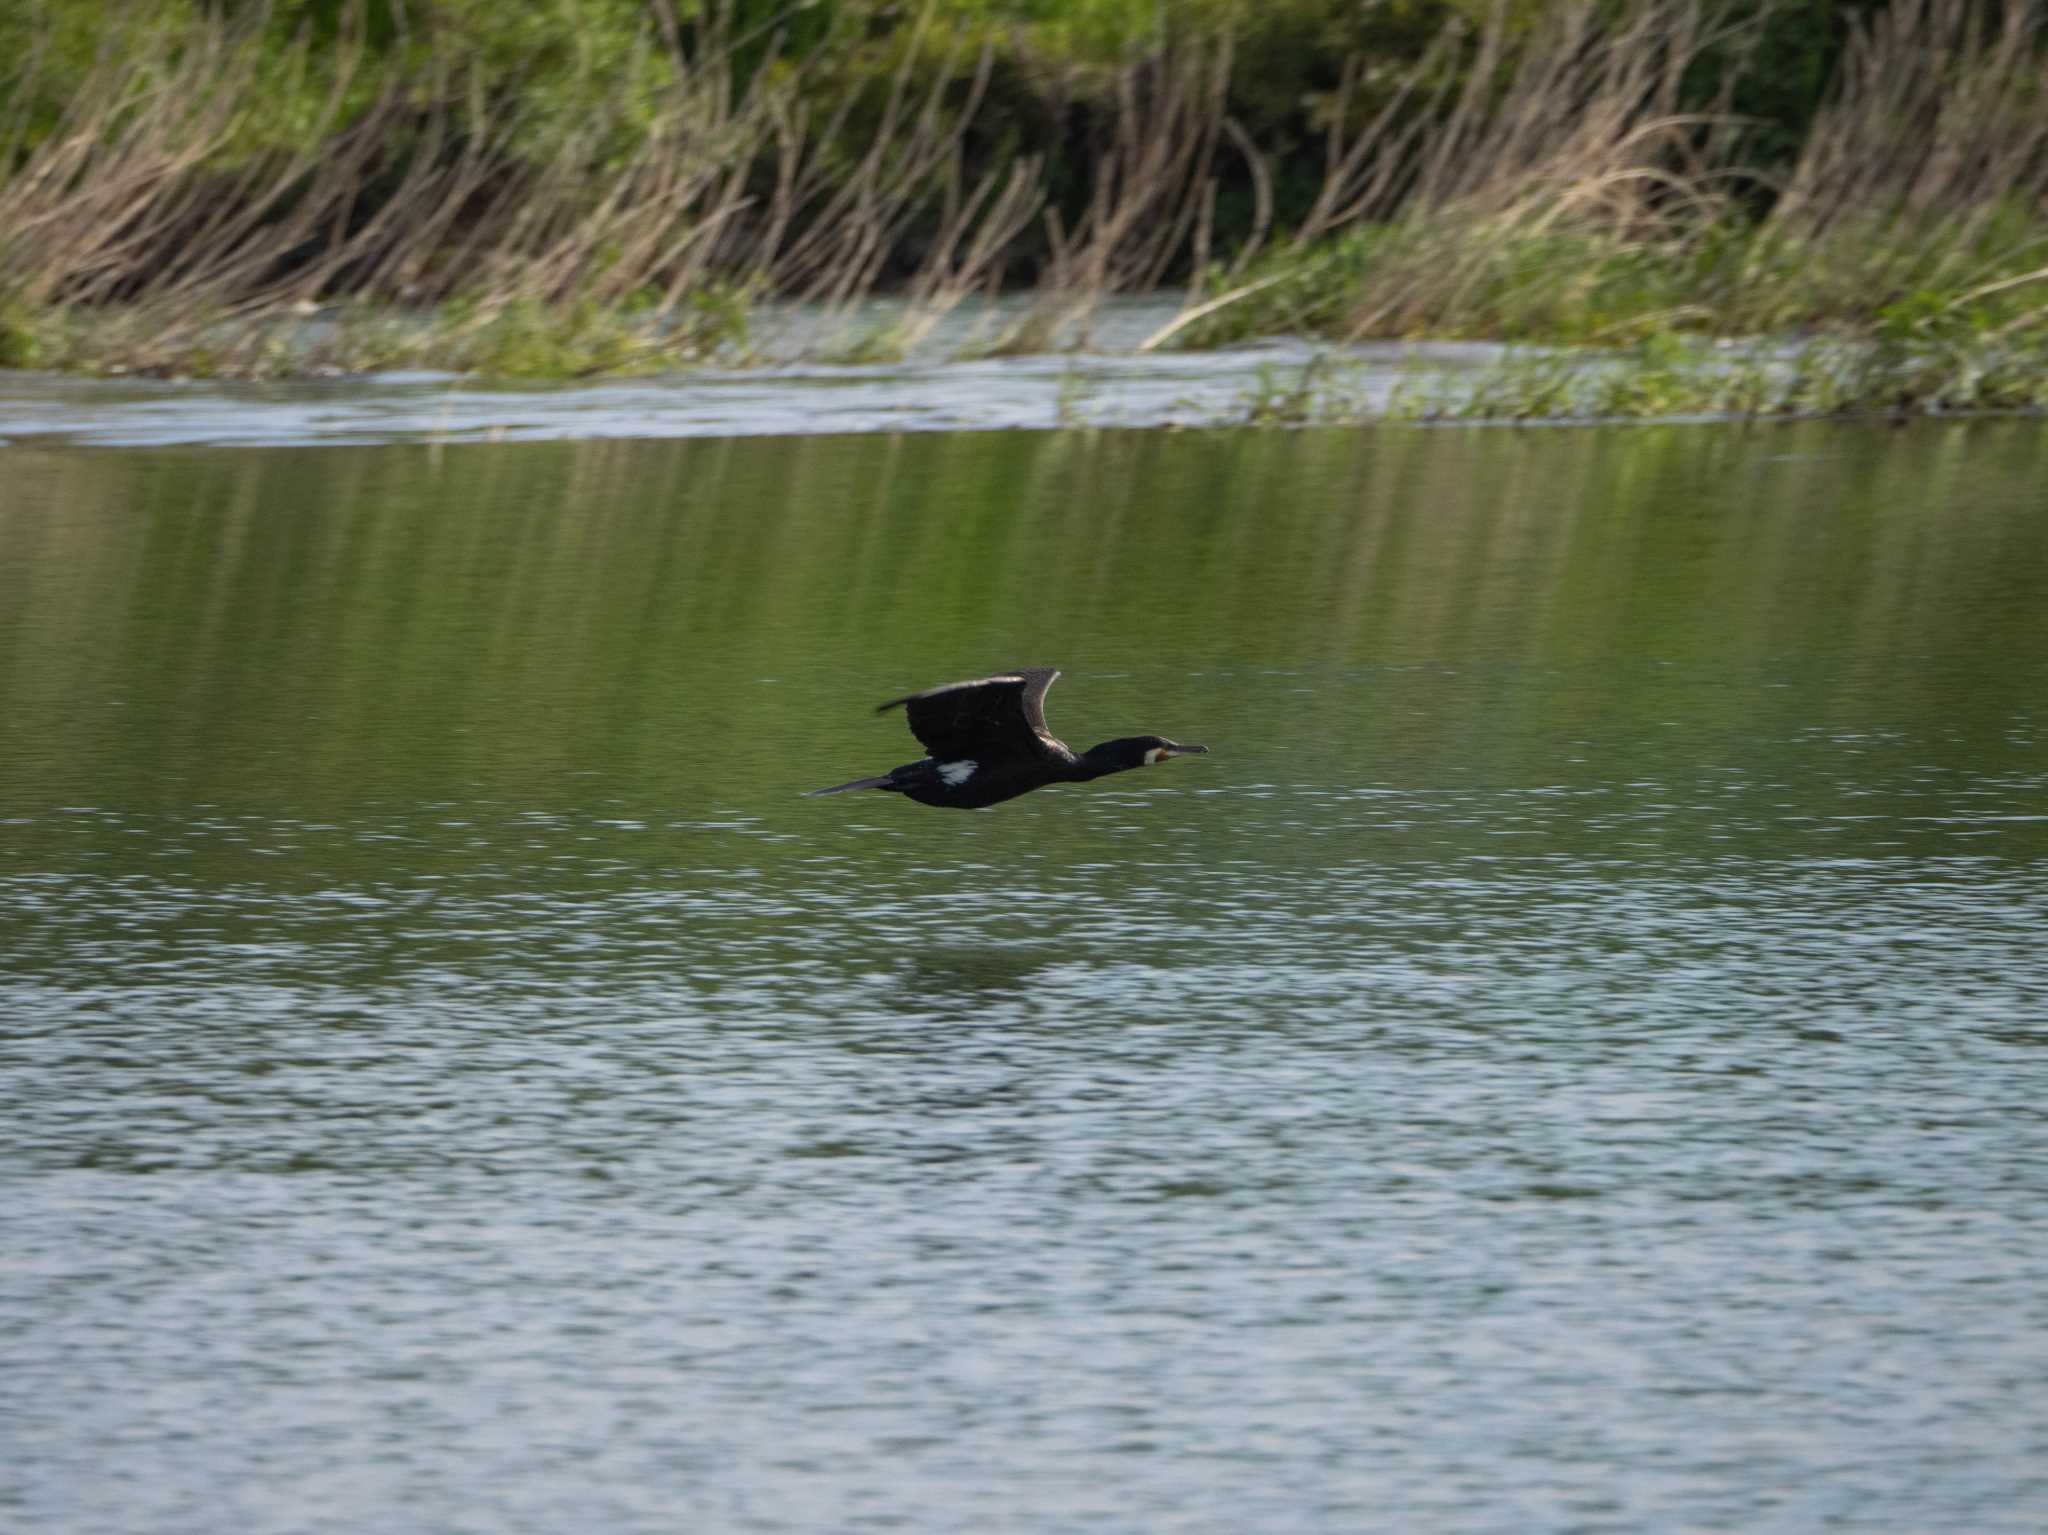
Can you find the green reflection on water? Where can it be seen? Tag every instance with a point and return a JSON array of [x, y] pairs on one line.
[[694, 632]]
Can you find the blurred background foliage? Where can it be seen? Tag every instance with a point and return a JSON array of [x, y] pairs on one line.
[[557, 67], [182, 181]]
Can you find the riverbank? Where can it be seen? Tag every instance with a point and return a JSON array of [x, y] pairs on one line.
[[1271, 383], [249, 201]]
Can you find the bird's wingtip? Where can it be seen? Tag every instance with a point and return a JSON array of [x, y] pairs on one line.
[[1024, 675], [847, 788]]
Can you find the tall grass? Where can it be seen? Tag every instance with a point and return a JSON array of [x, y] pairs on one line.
[[149, 232], [1501, 207], [1921, 195], [1566, 198], [1564, 181], [146, 233]]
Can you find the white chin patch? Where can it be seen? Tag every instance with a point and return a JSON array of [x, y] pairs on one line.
[[957, 773], [1153, 754]]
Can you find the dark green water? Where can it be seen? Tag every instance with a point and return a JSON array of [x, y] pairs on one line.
[[1572, 1058]]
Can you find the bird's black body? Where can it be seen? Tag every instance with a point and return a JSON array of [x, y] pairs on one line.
[[988, 742]]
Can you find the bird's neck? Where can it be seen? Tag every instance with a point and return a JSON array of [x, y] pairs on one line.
[[1109, 757]]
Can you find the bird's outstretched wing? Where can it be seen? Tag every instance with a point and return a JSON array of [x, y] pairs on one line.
[[987, 715]]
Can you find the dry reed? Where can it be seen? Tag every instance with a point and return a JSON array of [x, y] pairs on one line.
[[1924, 181], [1583, 134], [125, 215], [1562, 184]]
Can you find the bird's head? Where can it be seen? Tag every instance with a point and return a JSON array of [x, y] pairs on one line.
[[1136, 752]]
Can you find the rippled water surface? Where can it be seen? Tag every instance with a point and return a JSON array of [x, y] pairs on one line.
[[1571, 1058]]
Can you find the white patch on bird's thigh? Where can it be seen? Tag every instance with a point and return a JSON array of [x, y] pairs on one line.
[[957, 773]]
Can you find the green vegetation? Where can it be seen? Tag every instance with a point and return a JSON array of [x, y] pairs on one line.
[[1664, 375], [1428, 278], [1585, 201], [597, 186], [1669, 375]]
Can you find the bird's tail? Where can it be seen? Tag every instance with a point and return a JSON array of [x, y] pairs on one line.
[[848, 788]]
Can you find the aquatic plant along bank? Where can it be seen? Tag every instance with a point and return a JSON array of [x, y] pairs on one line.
[[615, 190]]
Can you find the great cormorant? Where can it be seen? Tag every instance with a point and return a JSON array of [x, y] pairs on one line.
[[988, 743]]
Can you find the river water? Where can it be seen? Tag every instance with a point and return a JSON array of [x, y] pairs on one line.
[[1571, 1058]]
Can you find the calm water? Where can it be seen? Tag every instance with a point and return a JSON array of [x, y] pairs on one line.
[[1572, 1058]]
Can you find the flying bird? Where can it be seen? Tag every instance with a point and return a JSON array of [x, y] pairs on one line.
[[988, 742]]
